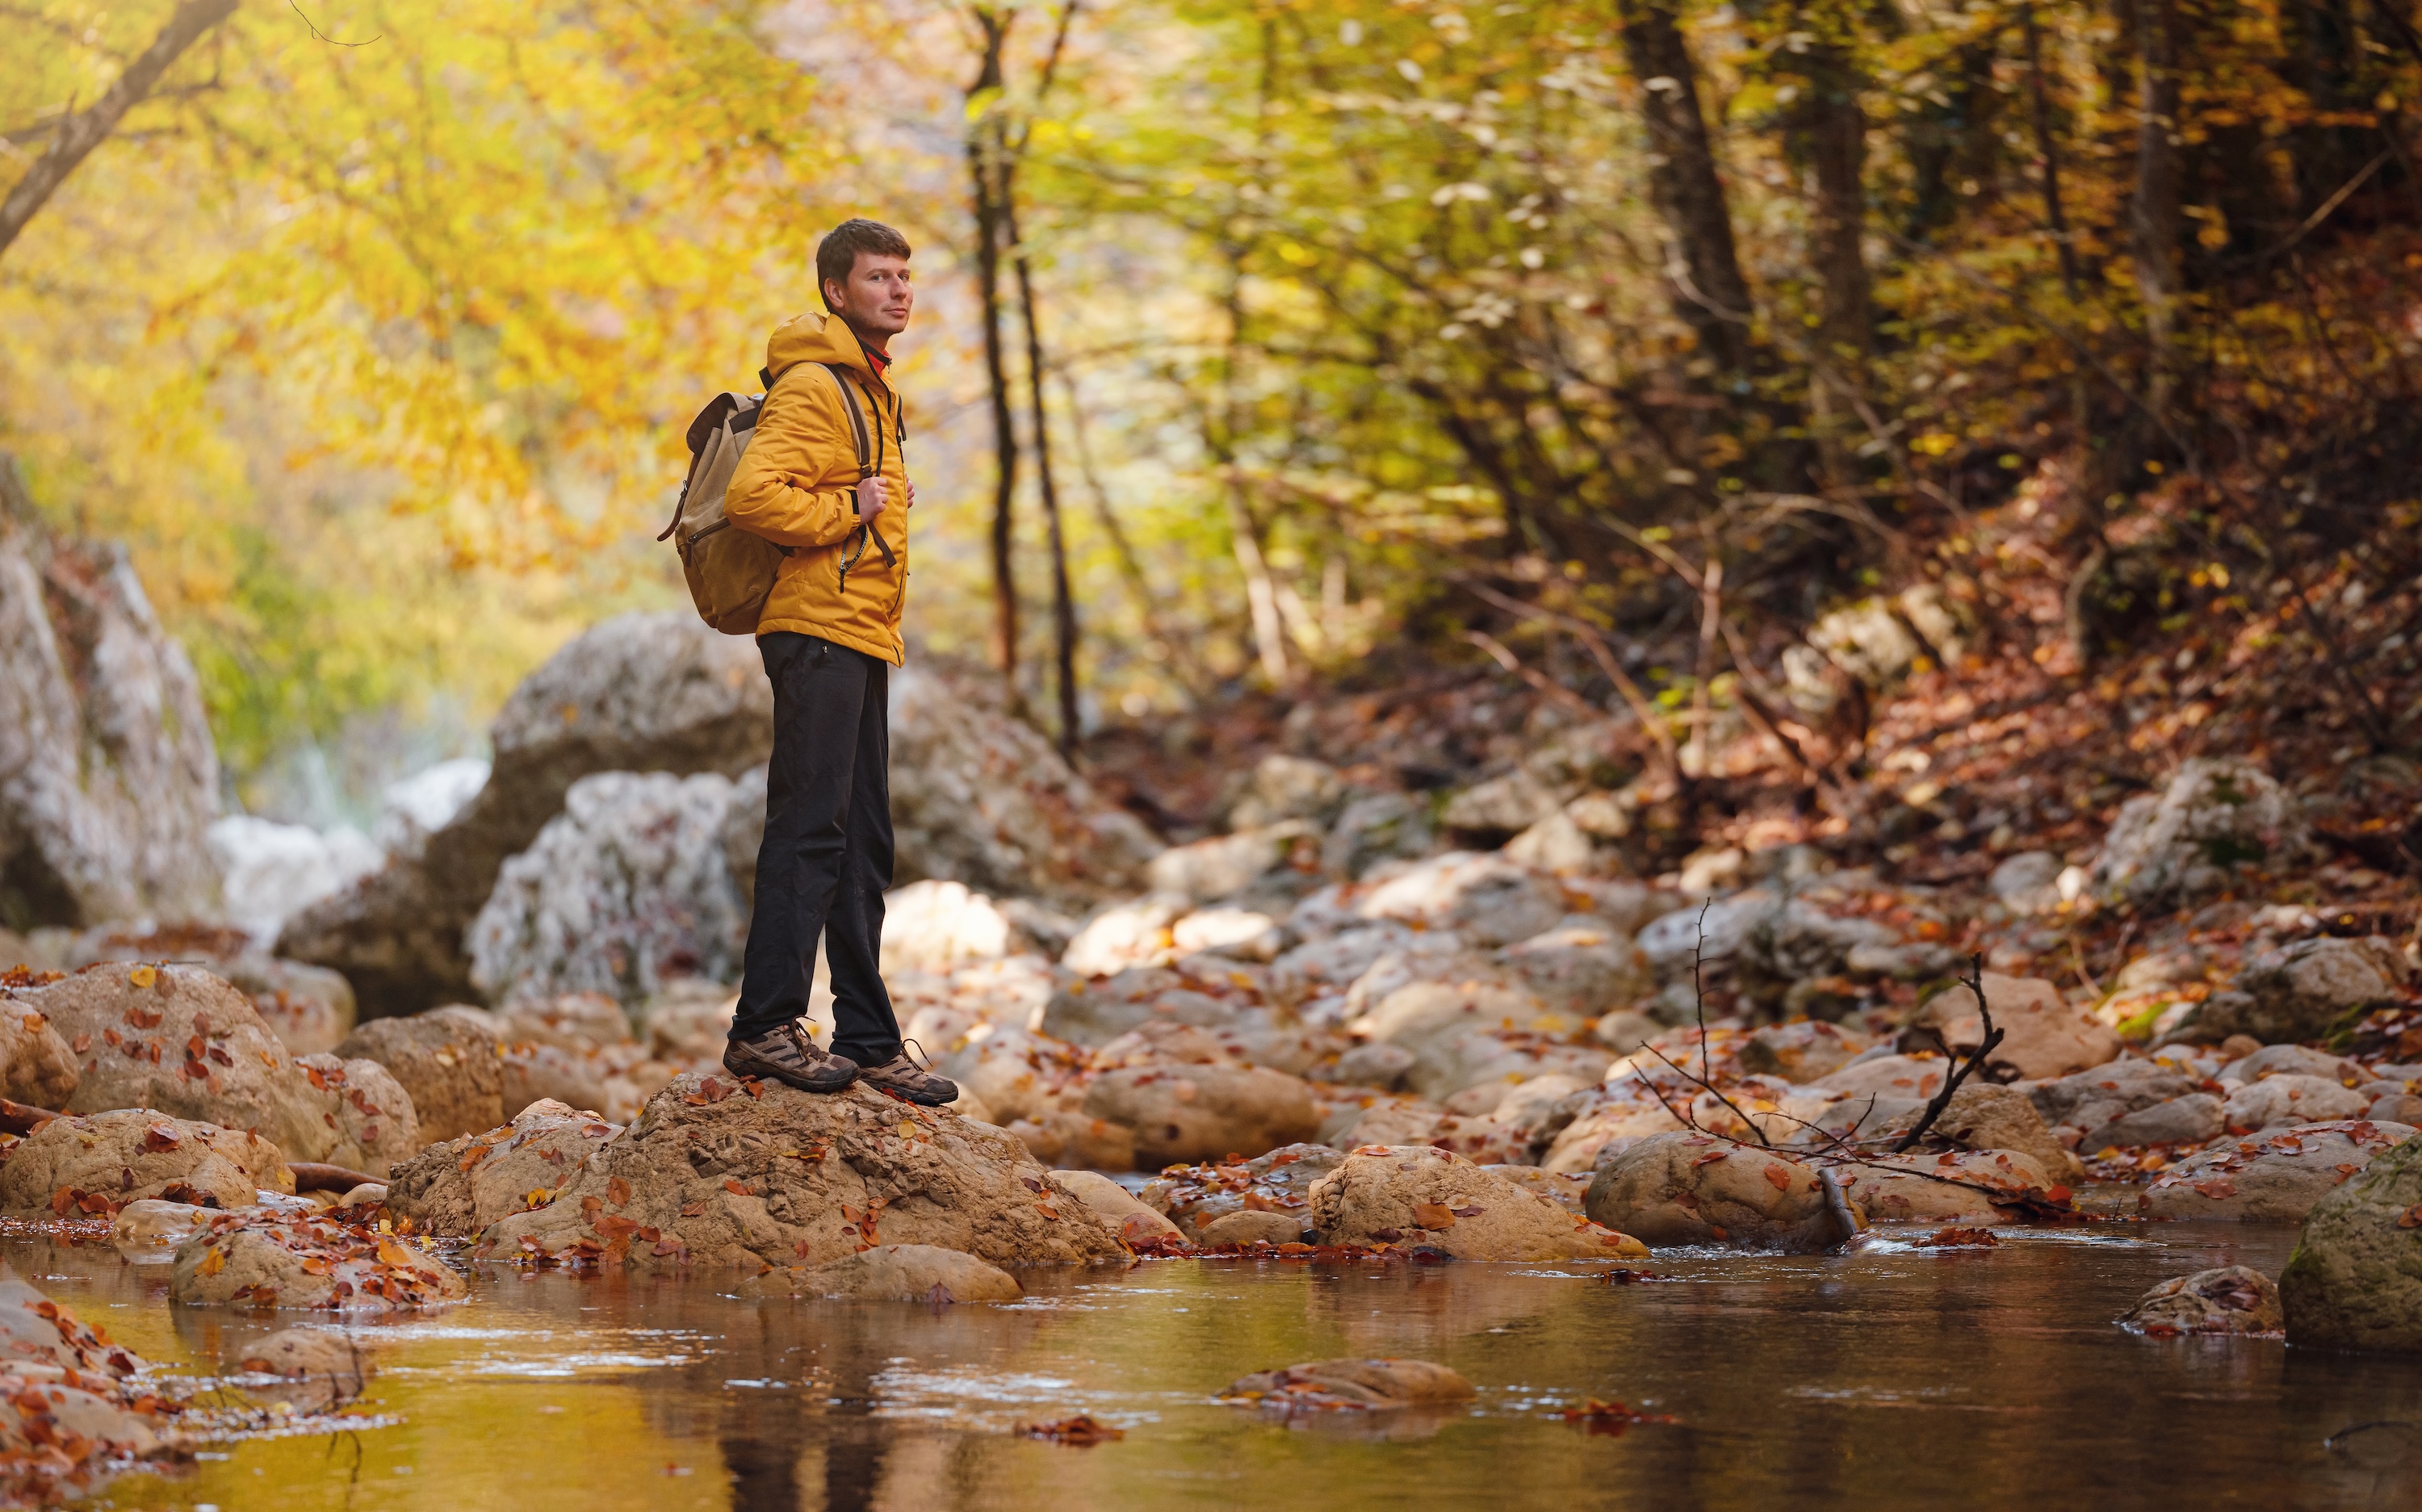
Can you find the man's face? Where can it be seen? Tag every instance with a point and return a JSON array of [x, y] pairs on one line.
[[878, 298]]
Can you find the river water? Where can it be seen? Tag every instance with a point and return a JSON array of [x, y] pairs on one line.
[[1893, 1377]]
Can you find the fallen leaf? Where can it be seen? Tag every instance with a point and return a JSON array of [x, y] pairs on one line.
[[738, 1187], [212, 1263], [1434, 1214], [1779, 1178], [142, 976]]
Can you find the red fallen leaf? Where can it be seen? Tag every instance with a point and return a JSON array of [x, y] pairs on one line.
[[94, 1201], [752, 1087], [618, 1192], [738, 1187], [614, 1225], [1083, 1432], [1473, 1211], [1611, 1418], [64, 1199], [693, 1211], [2217, 1187], [319, 1077], [1958, 1238], [84, 1043], [143, 1017], [2058, 1194], [221, 1056], [196, 1070], [2410, 1218], [1777, 1177], [473, 1155], [195, 1046], [1687, 1199], [159, 1137], [1711, 1157], [1031, 1185]]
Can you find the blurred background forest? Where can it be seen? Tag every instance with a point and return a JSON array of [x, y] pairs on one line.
[[1617, 351]]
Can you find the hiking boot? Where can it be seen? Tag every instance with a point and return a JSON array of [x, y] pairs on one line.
[[788, 1056], [904, 1078]]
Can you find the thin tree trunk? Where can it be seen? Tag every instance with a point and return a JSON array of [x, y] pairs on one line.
[[2155, 215], [1837, 146], [1269, 634], [1711, 618], [1708, 291], [988, 169], [81, 131], [1063, 606], [2048, 150]]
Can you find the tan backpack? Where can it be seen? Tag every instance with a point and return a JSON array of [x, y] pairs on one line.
[[730, 572]]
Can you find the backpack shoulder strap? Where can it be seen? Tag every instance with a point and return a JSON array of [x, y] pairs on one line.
[[867, 465]]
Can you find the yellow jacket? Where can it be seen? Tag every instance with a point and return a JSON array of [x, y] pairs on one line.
[[796, 486]]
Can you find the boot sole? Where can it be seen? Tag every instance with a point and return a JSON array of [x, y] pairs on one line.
[[921, 1099], [770, 1073]]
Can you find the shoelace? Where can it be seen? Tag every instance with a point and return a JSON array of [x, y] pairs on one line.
[[922, 1061]]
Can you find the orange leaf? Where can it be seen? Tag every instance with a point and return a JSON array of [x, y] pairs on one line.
[[1778, 1178], [392, 1253], [1434, 1214], [738, 1188], [212, 1263]]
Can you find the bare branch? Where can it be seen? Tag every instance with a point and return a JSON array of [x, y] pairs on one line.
[[1974, 982], [80, 133]]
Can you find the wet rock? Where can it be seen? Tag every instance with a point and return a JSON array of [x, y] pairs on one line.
[[2230, 1300], [719, 1177], [300, 1261], [461, 1185], [2352, 1282], [1064, 1137], [982, 798], [2301, 992], [2044, 1035], [1690, 1189], [653, 693], [147, 1230], [1117, 1207], [108, 781], [1485, 899], [105, 1161], [1280, 1181], [37, 1332], [2271, 1177], [1249, 1227], [2108, 1092], [627, 887], [177, 1039], [1368, 1384], [1201, 1113], [1801, 1051], [1962, 1186], [2189, 1120], [1414, 1195], [2285, 1101], [323, 1355], [1983, 1116], [893, 1273], [2216, 817], [1583, 966], [446, 1061], [1370, 832]]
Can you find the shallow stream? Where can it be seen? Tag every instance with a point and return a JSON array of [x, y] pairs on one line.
[[1895, 1377]]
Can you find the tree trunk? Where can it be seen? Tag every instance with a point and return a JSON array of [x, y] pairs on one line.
[[1708, 291], [81, 131], [1063, 606], [2154, 215], [1835, 136], [987, 167]]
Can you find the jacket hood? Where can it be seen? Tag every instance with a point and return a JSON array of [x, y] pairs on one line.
[[814, 337]]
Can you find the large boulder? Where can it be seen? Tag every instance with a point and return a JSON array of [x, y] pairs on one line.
[[461, 1187], [723, 1178], [1982, 1116], [2092, 1099], [1365, 1385], [637, 693], [36, 1332], [2217, 816], [982, 798], [2300, 992], [2189, 1120], [36, 1065], [309, 1008], [2271, 1177], [1194, 1112], [272, 1259], [2355, 1279], [626, 889], [2285, 1101], [1412, 1195], [108, 780], [1969, 1188], [893, 1273], [179, 1040], [2229, 1299], [2044, 1035], [1117, 1207], [447, 1060], [1692, 1188], [105, 1161]]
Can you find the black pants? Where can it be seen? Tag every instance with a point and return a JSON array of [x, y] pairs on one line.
[[827, 855]]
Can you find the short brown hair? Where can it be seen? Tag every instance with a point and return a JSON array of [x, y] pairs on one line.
[[837, 254]]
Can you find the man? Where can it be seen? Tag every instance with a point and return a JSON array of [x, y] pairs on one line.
[[830, 635]]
